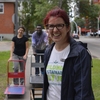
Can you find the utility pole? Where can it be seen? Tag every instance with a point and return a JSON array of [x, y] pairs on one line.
[[98, 24], [16, 16], [60, 3], [90, 2], [76, 26]]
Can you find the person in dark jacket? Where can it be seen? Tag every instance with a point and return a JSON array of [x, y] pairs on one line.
[[67, 74]]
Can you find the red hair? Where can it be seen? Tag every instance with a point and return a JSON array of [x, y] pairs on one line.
[[57, 12]]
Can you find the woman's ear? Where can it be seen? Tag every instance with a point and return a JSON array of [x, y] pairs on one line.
[[68, 28]]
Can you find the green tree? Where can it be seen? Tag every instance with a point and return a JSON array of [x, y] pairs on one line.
[[34, 11], [27, 15], [80, 22], [45, 5], [89, 12]]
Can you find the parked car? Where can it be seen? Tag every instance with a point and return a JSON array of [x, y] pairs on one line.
[[95, 33], [98, 33], [75, 36], [92, 34]]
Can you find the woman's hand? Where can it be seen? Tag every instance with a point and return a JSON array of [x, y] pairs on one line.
[[25, 57], [10, 59]]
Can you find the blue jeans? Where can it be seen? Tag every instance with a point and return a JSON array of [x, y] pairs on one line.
[[37, 60]]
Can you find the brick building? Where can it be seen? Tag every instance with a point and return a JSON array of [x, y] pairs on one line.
[[96, 1], [7, 10]]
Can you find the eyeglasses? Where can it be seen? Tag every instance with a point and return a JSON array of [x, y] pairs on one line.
[[58, 26]]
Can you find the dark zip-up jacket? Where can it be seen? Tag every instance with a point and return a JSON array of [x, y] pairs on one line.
[[76, 74]]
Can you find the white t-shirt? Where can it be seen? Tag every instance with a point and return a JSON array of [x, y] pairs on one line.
[[54, 72]]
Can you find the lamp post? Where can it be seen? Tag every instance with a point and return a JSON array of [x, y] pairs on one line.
[[98, 23], [16, 16], [76, 26]]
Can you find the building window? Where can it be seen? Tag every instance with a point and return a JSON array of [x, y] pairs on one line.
[[1, 8]]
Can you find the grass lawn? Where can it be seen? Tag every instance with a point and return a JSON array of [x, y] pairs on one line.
[[4, 56], [96, 78]]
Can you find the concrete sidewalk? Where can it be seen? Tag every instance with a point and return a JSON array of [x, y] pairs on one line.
[[5, 45]]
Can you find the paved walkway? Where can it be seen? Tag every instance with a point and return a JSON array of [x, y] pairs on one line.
[[5, 46]]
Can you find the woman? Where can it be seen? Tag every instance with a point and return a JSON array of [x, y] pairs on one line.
[[67, 64], [19, 51]]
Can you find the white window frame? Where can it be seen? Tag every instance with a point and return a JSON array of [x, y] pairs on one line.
[[2, 8]]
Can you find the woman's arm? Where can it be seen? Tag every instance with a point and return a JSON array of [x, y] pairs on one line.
[[27, 49], [82, 79], [11, 51]]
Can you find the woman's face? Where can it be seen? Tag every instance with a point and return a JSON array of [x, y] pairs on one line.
[[60, 34], [20, 31]]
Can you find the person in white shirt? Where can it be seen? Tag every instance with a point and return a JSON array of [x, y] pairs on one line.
[[67, 73]]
